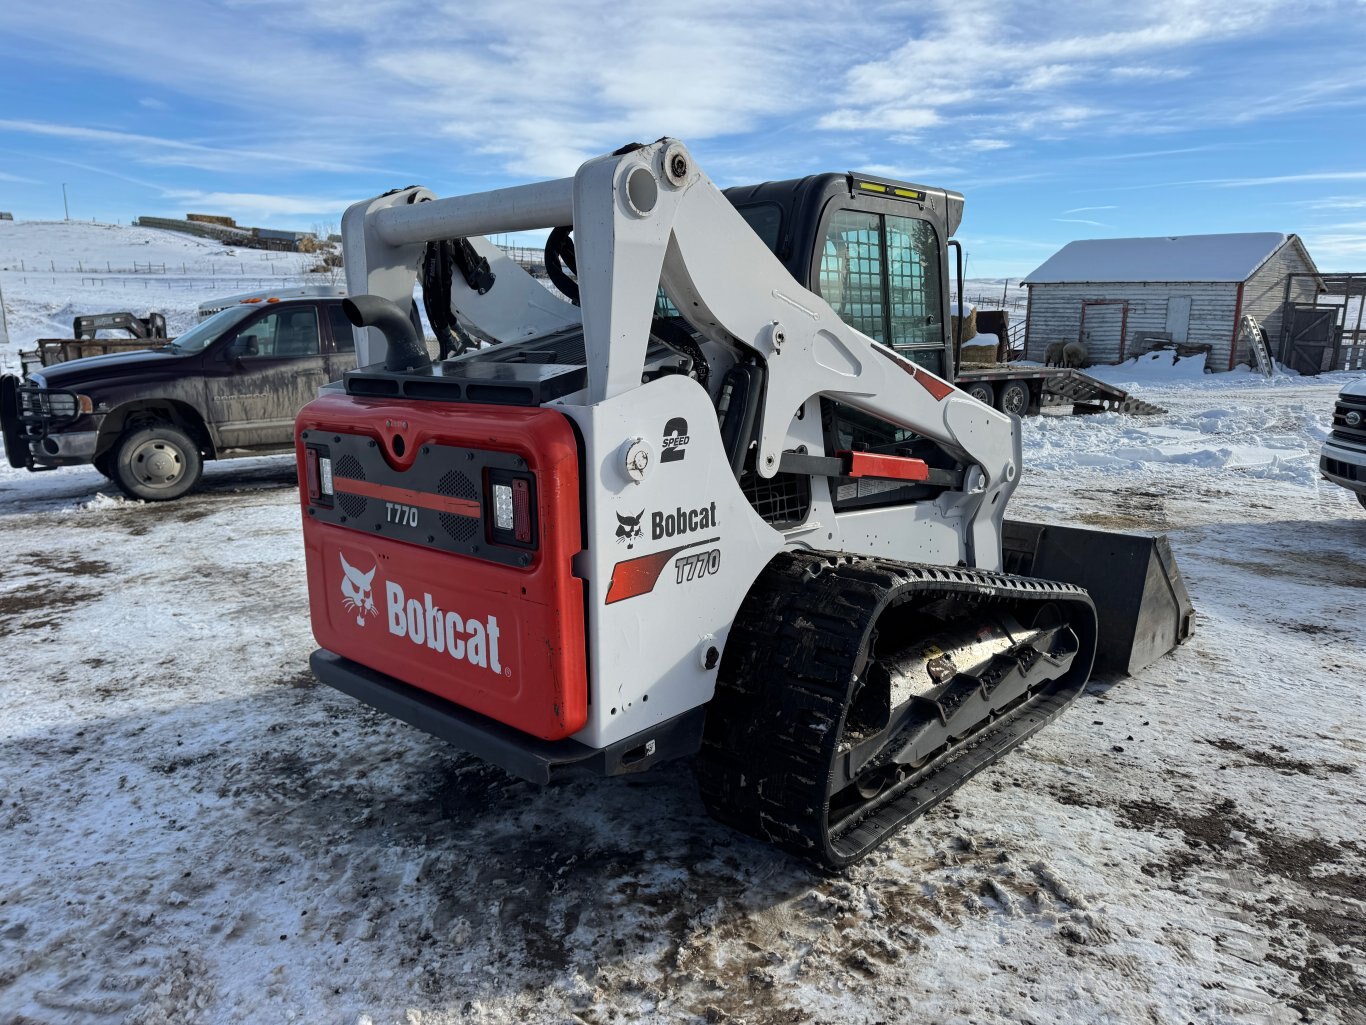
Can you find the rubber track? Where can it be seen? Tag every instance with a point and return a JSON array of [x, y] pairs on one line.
[[798, 645]]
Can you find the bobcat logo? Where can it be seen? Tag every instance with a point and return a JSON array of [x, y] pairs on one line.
[[357, 595], [628, 529]]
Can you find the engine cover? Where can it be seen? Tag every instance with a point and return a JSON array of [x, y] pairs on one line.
[[420, 567]]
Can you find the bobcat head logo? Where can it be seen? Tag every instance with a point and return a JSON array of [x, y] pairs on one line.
[[628, 529], [357, 596]]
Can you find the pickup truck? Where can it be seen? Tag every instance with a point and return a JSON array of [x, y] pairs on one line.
[[230, 386], [1343, 457]]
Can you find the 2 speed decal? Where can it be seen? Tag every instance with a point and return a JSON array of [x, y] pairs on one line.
[[676, 440]]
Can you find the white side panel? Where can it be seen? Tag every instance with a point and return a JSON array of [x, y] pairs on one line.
[[645, 652]]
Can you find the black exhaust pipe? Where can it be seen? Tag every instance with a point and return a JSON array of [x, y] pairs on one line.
[[406, 349]]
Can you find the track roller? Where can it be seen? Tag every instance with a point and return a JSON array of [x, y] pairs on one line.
[[855, 694]]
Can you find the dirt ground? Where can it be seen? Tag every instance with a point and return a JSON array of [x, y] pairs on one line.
[[192, 830]]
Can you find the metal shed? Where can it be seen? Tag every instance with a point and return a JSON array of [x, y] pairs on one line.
[[1115, 295]]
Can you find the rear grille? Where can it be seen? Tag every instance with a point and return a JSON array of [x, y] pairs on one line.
[[454, 484], [348, 466], [1353, 435], [782, 501]]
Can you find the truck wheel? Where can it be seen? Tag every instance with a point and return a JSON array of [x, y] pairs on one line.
[[156, 463], [982, 391], [1013, 398]]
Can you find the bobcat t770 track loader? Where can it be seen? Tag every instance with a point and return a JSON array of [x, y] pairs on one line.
[[692, 509]]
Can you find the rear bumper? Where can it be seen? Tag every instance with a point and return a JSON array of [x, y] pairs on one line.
[[1344, 466], [532, 759]]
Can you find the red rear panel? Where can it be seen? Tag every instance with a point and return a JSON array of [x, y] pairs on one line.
[[411, 572]]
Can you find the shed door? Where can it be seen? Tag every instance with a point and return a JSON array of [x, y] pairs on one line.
[[1179, 317], [1103, 323]]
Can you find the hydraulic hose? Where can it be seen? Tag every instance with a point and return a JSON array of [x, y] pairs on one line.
[[406, 349]]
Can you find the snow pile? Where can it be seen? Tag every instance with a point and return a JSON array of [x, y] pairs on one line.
[[1162, 366], [1280, 444], [103, 503]]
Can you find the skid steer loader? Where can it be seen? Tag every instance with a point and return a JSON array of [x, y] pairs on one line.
[[689, 508]]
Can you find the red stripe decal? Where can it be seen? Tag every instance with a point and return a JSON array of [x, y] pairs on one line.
[[938, 388], [406, 496], [638, 576]]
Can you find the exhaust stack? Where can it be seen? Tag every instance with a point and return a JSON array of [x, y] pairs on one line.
[[405, 348]]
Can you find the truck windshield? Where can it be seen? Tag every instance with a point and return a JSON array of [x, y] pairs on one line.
[[206, 331]]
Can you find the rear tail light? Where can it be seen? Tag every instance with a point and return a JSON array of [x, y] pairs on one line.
[[510, 499], [521, 510], [318, 475]]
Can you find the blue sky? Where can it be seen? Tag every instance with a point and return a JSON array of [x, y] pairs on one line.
[[1058, 120]]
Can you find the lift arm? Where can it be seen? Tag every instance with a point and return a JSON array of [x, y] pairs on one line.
[[651, 215]]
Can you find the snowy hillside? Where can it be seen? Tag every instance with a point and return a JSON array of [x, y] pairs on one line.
[[52, 271]]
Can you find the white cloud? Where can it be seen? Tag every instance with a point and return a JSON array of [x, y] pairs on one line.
[[152, 103], [1339, 248], [1335, 203], [5, 176], [151, 149], [252, 203], [987, 145], [1081, 220], [1149, 72], [1058, 70], [1089, 209], [1291, 179]]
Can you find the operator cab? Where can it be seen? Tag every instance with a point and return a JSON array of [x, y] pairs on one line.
[[874, 249]]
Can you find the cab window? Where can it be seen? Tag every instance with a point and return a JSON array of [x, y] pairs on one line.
[[767, 221], [280, 334], [851, 278], [880, 273], [343, 338], [913, 283]]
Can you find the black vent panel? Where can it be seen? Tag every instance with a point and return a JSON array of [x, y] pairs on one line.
[[353, 505], [454, 484], [783, 501], [348, 466]]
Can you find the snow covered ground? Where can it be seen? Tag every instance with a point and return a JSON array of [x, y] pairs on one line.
[[192, 830]]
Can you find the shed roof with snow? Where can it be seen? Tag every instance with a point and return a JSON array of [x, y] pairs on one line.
[[1232, 257]]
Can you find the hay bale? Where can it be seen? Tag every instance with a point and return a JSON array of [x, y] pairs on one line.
[[968, 323], [981, 353]]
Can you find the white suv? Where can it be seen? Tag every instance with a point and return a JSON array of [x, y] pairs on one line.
[[1343, 460]]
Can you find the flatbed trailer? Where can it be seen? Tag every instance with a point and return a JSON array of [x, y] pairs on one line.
[[1028, 389]]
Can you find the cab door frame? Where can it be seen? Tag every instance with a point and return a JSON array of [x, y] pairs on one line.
[[253, 400]]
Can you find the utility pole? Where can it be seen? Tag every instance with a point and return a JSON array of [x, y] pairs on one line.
[[4, 327], [65, 208]]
